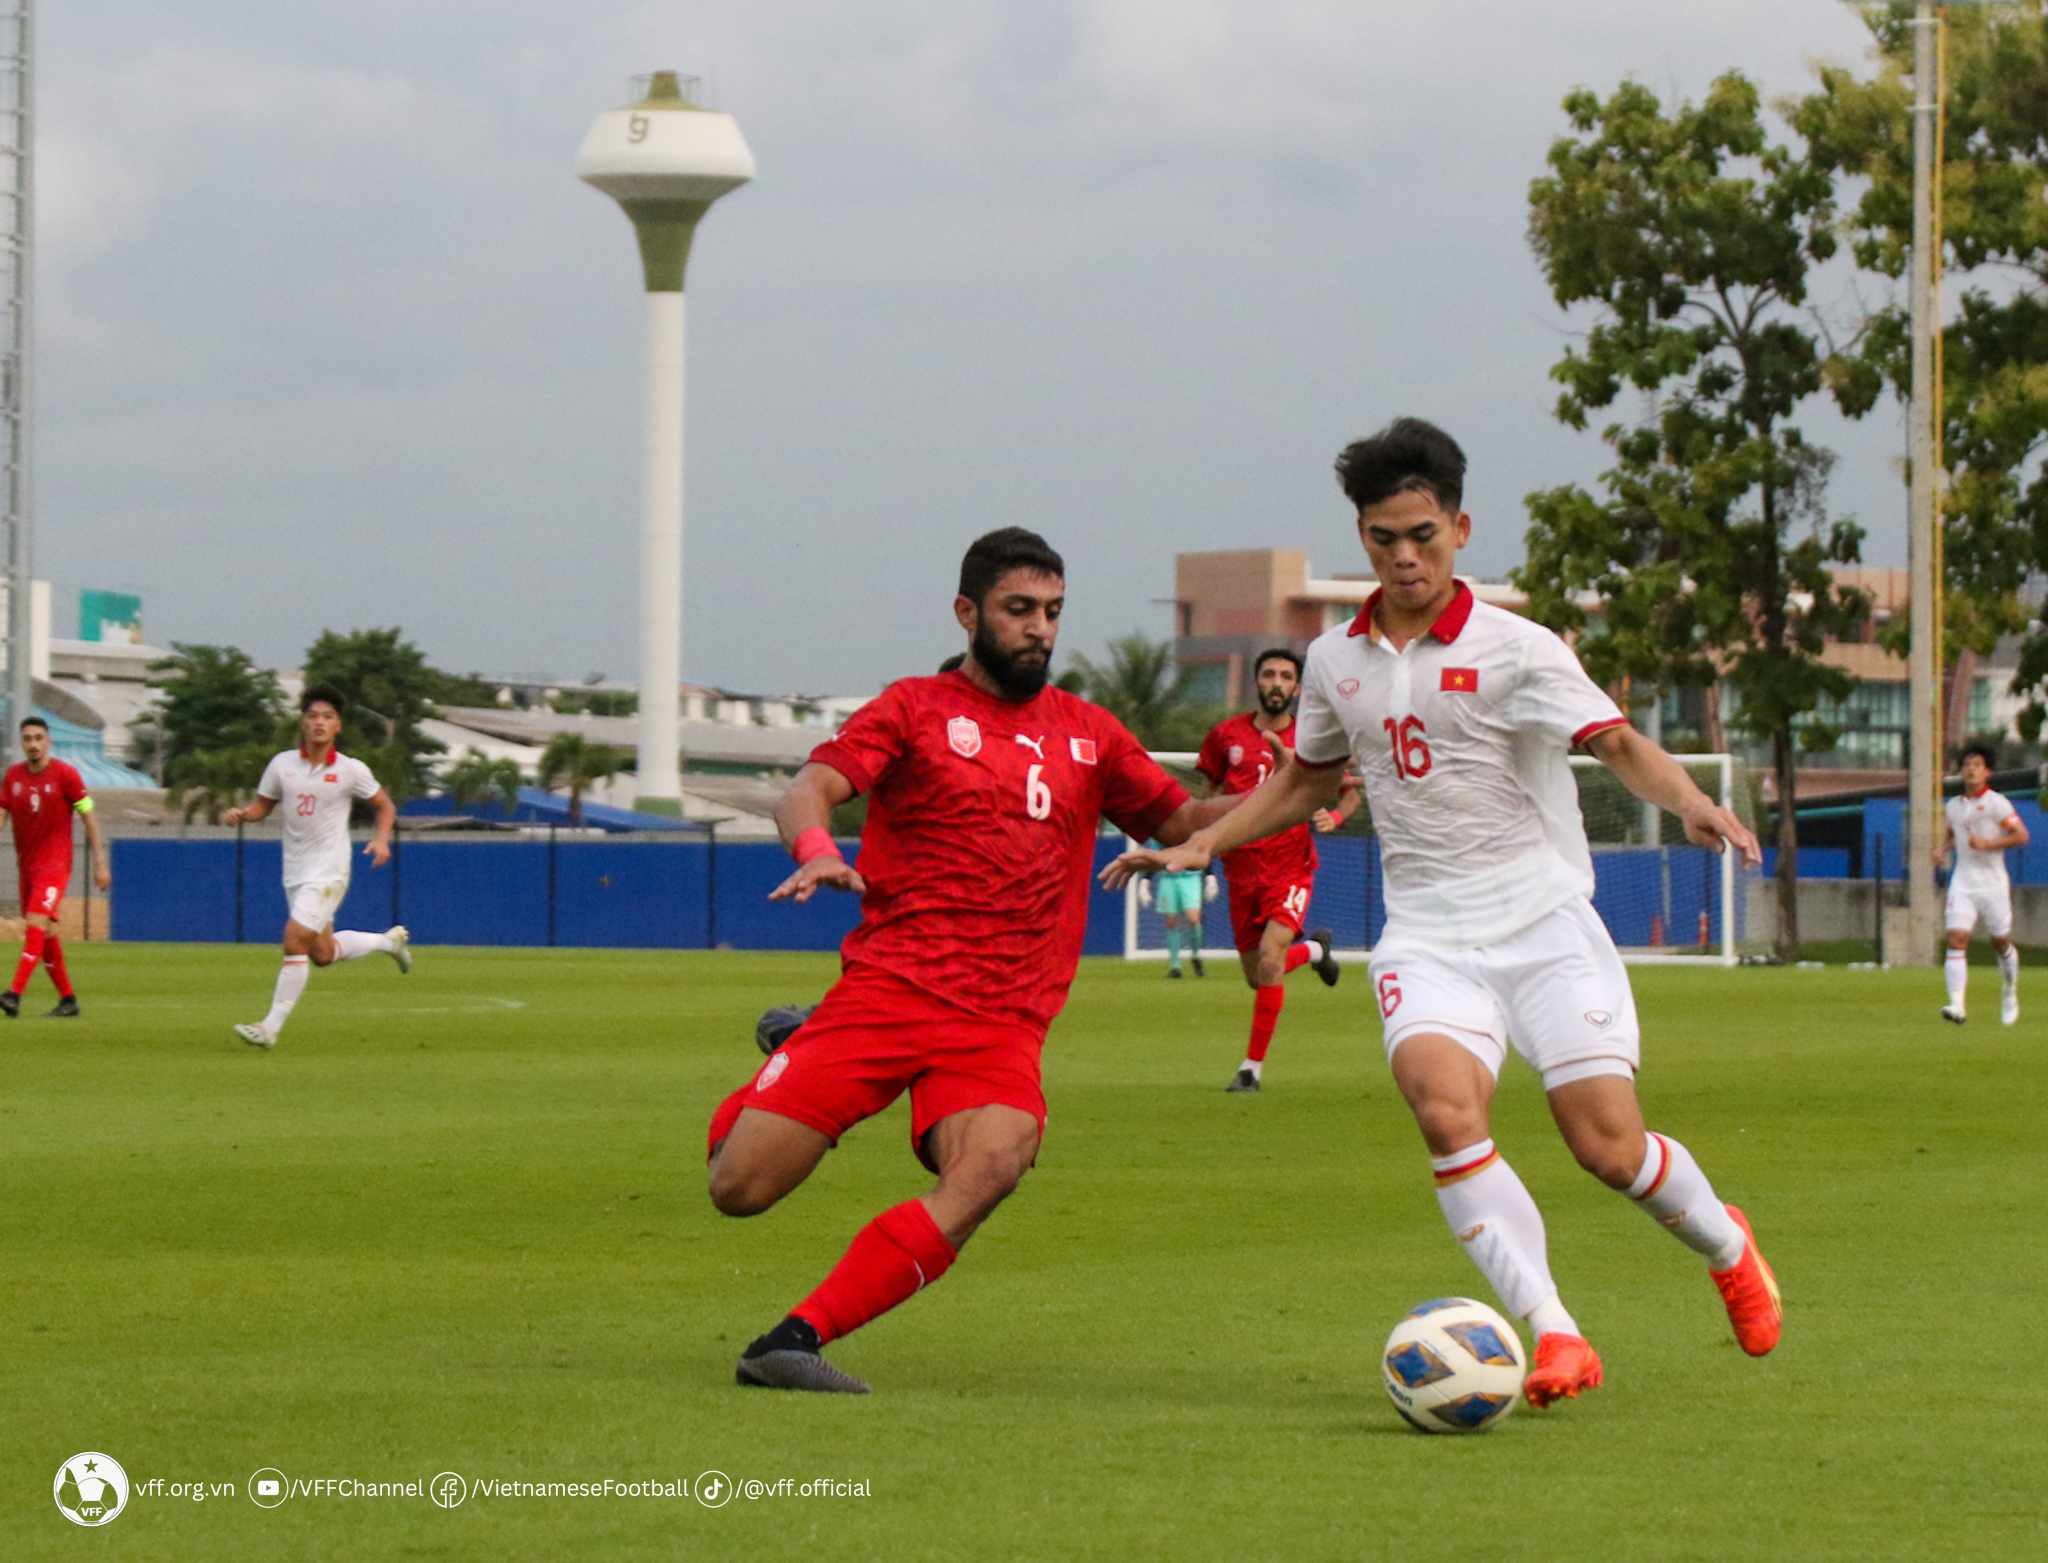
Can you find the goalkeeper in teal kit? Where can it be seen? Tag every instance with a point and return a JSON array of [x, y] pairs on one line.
[[1180, 898]]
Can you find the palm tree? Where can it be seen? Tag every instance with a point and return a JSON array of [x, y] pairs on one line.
[[573, 761], [210, 781], [477, 778], [1142, 687]]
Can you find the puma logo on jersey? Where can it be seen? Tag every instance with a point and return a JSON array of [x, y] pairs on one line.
[[1035, 745]]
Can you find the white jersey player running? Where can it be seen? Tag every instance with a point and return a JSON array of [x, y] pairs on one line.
[[1460, 718], [1980, 825], [316, 785]]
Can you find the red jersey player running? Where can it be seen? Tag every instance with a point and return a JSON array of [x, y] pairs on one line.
[[1460, 715], [985, 787], [1270, 880], [40, 796]]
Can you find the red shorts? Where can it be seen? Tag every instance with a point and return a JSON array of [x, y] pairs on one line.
[[42, 894], [1257, 902], [877, 1035]]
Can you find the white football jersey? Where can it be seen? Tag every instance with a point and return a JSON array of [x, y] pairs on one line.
[[1463, 740], [1983, 815], [313, 798]]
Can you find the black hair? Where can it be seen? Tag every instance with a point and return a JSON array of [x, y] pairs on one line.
[[34, 721], [326, 692], [1408, 456], [1281, 653], [954, 663], [1990, 759], [995, 554]]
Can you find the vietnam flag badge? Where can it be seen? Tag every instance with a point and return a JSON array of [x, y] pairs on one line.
[[1460, 681]]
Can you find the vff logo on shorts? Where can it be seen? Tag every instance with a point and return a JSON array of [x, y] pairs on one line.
[[964, 734], [772, 1070], [1237, 754]]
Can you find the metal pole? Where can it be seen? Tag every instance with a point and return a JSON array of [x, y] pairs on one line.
[[1923, 790], [710, 887], [18, 351]]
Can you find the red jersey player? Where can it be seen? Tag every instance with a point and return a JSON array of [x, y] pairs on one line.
[[1270, 880], [40, 796], [985, 789]]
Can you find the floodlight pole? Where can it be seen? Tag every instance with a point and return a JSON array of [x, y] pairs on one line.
[[17, 352], [1923, 666]]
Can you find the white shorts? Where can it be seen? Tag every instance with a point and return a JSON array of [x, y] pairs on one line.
[[1556, 991], [314, 906], [1993, 904]]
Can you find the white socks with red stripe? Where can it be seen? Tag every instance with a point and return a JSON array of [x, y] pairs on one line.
[[354, 946], [291, 982], [1501, 1231], [1677, 1195]]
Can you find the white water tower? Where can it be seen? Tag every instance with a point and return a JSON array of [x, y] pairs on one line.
[[665, 160]]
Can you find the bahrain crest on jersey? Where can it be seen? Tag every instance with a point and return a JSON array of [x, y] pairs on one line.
[[964, 734], [1237, 754]]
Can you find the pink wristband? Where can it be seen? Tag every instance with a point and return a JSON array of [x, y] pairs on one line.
[[815, 842]]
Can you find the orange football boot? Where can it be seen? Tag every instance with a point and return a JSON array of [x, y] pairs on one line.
[[1565, 1364], [1751, 1292]]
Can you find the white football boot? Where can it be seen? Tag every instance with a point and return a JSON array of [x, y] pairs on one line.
[[401, 948], [257, 1036]]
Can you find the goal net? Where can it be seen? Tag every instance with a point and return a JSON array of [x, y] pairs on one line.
[[1662, 898]]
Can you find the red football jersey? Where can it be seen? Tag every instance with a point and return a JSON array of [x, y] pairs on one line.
[[1236, 758], [40, 804], [980, 841]]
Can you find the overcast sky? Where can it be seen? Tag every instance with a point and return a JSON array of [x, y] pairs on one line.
[[331, 336]]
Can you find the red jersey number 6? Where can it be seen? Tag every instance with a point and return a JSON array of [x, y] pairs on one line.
[[1411, 754], [1390, 994]]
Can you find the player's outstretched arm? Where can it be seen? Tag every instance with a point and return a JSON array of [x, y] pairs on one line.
[[102, 875], [1201, 828], [378, 849], [1652, 775], [804, 818], [249, 813]]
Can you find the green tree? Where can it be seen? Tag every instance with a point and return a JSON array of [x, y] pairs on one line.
[[477, 778], [205, 782], [1994, 413], [1691, 236], [1140, 684], [213, 698], [390, 691], [573, 761]]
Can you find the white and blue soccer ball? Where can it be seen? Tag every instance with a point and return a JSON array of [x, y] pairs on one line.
[[1453, 1366]]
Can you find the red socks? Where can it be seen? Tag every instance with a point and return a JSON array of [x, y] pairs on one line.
[[1266, 1004], [1297, 955], [53, 959], [889, 1260], [31, 957]]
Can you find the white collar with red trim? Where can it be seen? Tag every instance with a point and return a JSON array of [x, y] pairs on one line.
[[1449, 625], [306, 754]]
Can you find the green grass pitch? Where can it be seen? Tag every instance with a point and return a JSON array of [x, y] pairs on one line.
[[456, 1222]]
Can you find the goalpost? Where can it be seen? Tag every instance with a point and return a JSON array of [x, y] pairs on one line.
[[1662, 898]]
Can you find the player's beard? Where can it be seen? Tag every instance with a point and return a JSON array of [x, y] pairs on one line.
[[1275, 702], [1017, 680]]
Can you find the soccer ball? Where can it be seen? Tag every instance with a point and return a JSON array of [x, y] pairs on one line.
[[1453, 1366]]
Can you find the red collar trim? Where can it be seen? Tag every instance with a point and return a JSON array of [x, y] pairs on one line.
[[333, 754], [1978, 793], [1450, 624]]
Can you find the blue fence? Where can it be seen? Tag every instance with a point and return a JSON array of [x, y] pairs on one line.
[[695, 894]]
